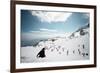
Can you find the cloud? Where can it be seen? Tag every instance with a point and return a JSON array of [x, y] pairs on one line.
[[44, 31], [35, 31], [48, 30], [49, 17], [37, 35], [41, 33]]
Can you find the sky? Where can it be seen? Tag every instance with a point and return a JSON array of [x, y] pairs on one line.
[[42, 24]]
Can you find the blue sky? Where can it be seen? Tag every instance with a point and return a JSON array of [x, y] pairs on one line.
[[47, 23]]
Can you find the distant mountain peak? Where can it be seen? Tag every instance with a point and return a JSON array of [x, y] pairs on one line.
[[80, 32]]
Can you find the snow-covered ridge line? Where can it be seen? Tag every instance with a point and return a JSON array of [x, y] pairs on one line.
[[80, 32]]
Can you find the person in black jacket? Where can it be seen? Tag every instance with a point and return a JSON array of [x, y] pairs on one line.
[[41, 54]]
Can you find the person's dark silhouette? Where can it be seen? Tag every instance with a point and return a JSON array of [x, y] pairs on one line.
[[83, 46], [67, 52], [73, 51], [86, 54], [83, 54], [41, 54], [79, 51]]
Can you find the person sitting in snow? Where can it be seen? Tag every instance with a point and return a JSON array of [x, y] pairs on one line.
[[41, 54]]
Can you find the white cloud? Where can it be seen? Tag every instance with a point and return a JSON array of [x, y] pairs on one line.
[[41, 33], [51, 16], [48, 30], [35, 35], [34, 31], [44, 31]]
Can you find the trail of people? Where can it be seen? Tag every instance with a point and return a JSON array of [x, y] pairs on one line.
[[59, 50]]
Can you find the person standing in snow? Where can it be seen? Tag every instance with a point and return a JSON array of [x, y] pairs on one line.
[[79, 51], [73, 51], [67, 52], [41, 54], [83, 46]]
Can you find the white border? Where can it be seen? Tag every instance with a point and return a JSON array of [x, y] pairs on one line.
[[45, 64]]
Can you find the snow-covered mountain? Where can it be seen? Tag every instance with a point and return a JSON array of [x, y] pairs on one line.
[[72, 47], [80, 32]]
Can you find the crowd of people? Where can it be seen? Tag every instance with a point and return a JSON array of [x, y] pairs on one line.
[[80, 50]]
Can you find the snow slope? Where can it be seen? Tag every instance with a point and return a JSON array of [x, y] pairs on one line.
[[61, 49]]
